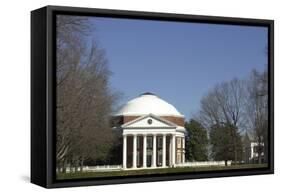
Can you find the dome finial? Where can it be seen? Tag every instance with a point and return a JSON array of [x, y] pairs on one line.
[[147, 93]]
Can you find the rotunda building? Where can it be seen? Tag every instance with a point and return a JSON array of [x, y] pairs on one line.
[[153, 133]]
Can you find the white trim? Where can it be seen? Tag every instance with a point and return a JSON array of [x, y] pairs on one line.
[[183, 146], [173, 149], [150, 132], [140, 115], [170, 151], [164, 151], [180, 128], [135, 151], [149, 128], [124, 151], [144, 151], [169, 123], [154, 151]]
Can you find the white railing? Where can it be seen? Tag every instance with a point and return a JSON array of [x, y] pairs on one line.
[[102, 168], [94, 168], [204, 163], [119, 167]]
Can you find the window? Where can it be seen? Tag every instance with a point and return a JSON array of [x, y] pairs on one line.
[[138, 142], [178, 142], [159, 142], [178, 158], [258, 149], [138, 158], [149, 142], [182, 143], [159, 158]]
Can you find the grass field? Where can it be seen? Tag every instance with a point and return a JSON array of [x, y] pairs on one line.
[[79, 175]]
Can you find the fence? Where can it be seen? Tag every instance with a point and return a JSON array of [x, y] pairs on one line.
[[119, 167], [102, 168], [95, 168], [204, 163]]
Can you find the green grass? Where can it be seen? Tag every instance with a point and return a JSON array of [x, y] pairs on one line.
[[79, 175]]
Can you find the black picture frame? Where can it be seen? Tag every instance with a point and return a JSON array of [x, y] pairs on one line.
[[43, 92]]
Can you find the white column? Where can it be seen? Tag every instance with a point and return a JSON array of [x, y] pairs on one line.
[[173, 149], [144, 152], [252, 151], [183, 150], [170, 151], [135, 152], [154, 151], [124, 151], [164, 151]]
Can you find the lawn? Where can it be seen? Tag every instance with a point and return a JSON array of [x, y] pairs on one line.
[[79, 175]]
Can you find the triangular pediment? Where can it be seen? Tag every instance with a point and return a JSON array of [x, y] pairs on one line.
[[149, 121]]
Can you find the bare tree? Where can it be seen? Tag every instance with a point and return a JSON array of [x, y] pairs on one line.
[[225, 104], [257, 111], [241, 103], [84, 98]]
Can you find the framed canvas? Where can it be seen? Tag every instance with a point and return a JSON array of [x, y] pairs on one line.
[[126, 96]]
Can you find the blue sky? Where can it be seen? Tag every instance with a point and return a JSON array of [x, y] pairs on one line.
[[177, 61]]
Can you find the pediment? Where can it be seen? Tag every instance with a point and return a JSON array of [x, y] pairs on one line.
[[149, 121]]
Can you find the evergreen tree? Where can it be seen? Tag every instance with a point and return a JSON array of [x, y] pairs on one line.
[[226, 142], [197, 141], [246, 148]]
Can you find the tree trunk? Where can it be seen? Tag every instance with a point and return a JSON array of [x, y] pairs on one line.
[[64, 167], [81, 165], [265, 151], [259, 158]]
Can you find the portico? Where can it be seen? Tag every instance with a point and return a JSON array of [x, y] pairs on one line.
[[153, 133], [152, 147]]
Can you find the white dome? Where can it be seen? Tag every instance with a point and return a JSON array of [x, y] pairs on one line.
[[148, 103]]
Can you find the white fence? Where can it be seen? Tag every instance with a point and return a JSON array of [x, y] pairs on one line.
[[119, 167], [95, 168], [204, 163], [102, 168]]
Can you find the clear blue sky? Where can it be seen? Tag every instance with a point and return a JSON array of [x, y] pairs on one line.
[[177, 61]]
